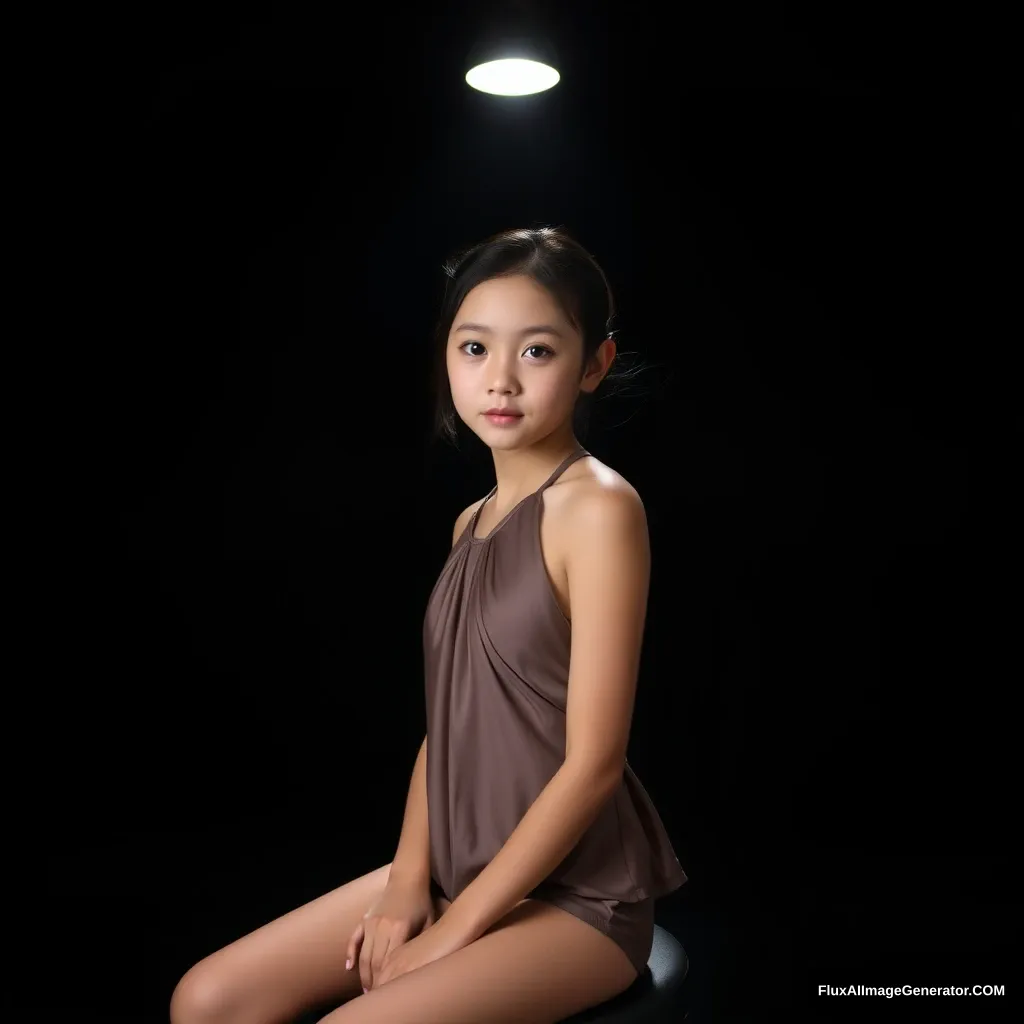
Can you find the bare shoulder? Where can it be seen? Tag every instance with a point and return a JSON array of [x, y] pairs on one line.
[[590, 506], [463, 519], [592, 493]]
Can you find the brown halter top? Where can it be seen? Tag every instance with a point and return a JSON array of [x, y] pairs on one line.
[[496, 653]]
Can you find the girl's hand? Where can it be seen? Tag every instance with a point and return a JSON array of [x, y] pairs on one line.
[[430, 945], [403, 910]]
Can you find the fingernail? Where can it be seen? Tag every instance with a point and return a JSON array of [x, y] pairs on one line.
[[365, 990], [348, 965]]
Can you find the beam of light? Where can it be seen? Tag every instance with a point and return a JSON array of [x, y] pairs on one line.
[[512, 77]]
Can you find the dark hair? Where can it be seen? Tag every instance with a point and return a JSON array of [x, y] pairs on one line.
[[555, 261]]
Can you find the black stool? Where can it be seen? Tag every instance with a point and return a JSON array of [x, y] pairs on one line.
[[655, 996]]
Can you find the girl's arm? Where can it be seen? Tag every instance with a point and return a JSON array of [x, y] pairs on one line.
[[412, 859], [608, 568]]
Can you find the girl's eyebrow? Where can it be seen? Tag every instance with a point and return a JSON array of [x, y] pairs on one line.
[[484, 329]]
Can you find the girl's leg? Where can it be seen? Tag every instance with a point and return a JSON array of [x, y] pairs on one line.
[[538, 965], [292, 964]]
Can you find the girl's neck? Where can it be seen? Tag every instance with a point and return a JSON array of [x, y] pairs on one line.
[[520, 472]]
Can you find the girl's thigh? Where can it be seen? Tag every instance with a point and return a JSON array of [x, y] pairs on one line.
[[538, 965], [283, 968]]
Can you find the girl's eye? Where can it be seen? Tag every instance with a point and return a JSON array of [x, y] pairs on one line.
[[539, 351]]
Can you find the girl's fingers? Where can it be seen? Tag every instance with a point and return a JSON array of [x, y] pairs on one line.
[[352, 952], [365, 958], [379, 960]]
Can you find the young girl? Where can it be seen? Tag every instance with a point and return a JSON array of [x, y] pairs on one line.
[[523, 886]]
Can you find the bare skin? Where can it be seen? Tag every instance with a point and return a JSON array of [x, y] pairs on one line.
[[537, 964], [556, 502], [283, 968], [296, 962]]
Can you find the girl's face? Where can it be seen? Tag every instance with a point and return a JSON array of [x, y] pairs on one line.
[[511, 346]]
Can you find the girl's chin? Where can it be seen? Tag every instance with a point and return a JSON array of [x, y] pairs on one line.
[[502, 444]]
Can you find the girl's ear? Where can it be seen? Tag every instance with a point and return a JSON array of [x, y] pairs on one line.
[[599, 365]]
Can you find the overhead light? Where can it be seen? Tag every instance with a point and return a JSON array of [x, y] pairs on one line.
[[513, 54], [512, 76]]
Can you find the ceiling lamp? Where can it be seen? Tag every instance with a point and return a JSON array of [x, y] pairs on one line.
[[513, 54], [512, 76]]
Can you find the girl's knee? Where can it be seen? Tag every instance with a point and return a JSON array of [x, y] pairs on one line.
[[200, 997]]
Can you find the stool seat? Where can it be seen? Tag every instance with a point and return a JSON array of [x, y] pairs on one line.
[[654, 998]]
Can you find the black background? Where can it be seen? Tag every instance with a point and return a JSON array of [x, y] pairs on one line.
[[826, 444]]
